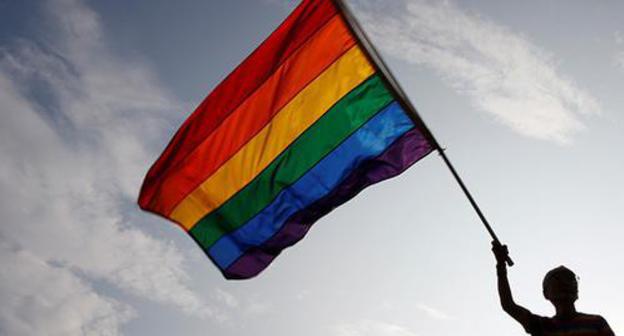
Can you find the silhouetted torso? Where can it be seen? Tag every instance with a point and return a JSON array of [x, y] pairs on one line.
[[560, 287], [578, 325]]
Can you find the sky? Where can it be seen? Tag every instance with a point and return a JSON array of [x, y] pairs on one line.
[[524, 95]]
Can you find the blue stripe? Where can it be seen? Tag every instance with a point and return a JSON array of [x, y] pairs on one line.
[[367, 142]]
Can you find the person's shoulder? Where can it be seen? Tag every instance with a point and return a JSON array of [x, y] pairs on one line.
[[596, 321], [590, 317]]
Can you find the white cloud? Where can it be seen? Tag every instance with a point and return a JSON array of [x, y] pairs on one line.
[[77, 131], [502, 72], [432, 312], [371, 328], [619, 38], [250, 306], [619, 60], [256, 308], [48, 300], [619, 55], [225, 297]]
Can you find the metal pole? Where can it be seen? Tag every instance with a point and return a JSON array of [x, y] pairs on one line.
[[389, 79]]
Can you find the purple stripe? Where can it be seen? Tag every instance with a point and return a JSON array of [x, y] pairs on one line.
[[408, 149]]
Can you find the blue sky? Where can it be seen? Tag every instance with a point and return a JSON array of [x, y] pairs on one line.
[[526, 97]]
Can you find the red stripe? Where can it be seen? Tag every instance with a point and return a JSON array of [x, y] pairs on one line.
[[311, 60], [303, 23]]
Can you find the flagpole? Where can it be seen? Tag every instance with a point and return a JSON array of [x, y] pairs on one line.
[[389, 79]]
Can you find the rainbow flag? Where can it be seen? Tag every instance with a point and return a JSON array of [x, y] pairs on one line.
[[304, 124]]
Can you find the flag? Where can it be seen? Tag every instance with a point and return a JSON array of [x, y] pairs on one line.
[[304, 124]]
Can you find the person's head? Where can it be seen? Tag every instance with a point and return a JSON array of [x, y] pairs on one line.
[[560, 286]]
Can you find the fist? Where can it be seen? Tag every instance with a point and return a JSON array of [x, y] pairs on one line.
[[500, 252]]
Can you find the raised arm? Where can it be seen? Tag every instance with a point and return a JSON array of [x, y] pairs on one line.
[[519, 313]]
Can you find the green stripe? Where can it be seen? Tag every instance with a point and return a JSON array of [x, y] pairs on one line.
[[344, 118]]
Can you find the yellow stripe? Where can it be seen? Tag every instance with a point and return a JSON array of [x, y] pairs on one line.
[[300, 113]]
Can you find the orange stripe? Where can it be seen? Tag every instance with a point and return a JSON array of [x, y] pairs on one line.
[[295, 118], [321, 51], [303, 23]]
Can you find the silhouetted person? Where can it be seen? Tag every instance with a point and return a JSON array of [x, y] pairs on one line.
[[561, 289]]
